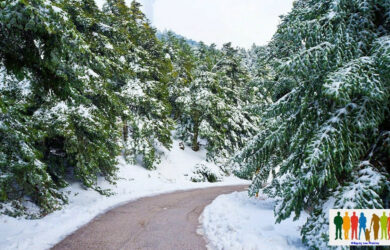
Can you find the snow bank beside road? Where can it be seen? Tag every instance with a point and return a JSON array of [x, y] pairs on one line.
[[235, 221], [172, 174]]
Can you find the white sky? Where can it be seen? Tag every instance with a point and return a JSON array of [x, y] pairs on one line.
[[242, 22]]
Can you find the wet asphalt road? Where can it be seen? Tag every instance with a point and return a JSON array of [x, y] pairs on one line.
[[167, 222]]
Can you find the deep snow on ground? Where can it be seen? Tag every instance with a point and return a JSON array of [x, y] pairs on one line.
[[173, 173], [235, 221]]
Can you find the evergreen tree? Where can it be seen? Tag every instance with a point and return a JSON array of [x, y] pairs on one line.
[[63, 126], [214, 102], [256, 61], [183, 63], [326, 133], [144, 86], [70, 76]]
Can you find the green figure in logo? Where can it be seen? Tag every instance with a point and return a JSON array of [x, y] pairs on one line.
[[338, 221], [383, 226]]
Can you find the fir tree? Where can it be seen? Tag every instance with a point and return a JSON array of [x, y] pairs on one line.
[[214, 101], [144, 86], [69, 74], [325, 132], [64, 125]]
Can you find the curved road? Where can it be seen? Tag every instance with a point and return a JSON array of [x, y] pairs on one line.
[[167, 221]]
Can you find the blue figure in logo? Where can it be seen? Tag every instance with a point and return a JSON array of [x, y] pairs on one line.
[[362, 223]]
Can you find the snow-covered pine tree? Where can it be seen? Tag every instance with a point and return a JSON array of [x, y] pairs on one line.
[[256, 61], [22, 171], [62, 125], [199, 103], [144, 86], [238, 122], [326, 134], [213, 102], [183, 63]]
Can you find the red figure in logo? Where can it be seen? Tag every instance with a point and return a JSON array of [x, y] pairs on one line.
[[354, 226], [388, 227]]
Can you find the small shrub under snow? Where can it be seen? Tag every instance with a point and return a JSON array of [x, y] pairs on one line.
[[203, 173]]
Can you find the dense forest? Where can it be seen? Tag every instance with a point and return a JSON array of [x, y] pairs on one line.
[[81, 86]]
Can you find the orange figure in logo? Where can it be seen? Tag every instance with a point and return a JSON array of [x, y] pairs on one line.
[[375, 222], [354, 225], [368, 234], [346, 225]]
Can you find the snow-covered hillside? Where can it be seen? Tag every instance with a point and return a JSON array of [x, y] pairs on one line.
[[173, 173], [235, 221]]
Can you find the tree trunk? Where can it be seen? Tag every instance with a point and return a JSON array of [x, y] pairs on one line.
[[195, 144], [125, 131]]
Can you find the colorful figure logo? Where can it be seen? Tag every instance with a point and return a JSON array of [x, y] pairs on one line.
[[351, 223], [344, 225]]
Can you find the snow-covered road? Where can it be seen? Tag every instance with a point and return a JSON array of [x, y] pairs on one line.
[[172, 174]]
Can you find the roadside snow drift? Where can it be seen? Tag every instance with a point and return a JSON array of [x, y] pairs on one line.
[[174, 173], [235, 221]]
